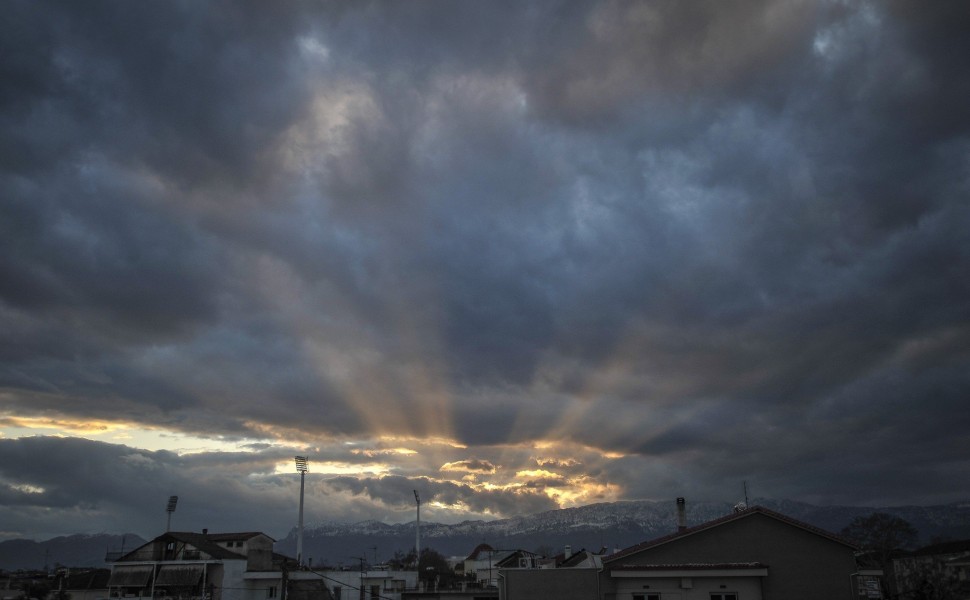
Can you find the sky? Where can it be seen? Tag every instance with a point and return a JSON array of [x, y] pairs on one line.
[[516, 256]]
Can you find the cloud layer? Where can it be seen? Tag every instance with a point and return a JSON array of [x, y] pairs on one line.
[[515, 256]]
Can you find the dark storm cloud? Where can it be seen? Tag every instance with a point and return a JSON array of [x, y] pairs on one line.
[[706, 242], [52, 485]]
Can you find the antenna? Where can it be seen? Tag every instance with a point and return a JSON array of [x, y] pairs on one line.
[[170, 508], [743, 505], [301, 467], [417, 530]]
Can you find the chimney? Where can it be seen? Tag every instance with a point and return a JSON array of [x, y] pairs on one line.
[[205, 532], [681, 514], [567, 552]]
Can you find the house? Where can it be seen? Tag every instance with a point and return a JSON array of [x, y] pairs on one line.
[[752, 554], [482, 563], [204, 566], [518, 559], [584, 559], [377, 583], [940, 569], [565, 576]]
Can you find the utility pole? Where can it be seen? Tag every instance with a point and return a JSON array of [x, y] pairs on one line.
[[284, 582], [360, 587], [417, 531]]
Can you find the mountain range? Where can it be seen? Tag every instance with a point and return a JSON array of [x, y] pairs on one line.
[[612, 526], [608, 525], [80, 550]]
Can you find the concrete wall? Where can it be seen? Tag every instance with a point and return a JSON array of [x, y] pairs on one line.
[[548, 584], [801, 565]]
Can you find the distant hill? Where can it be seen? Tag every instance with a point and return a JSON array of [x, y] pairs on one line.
[[70, 551], [610, 525]]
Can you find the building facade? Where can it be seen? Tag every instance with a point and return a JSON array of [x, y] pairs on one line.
[[753, 554]]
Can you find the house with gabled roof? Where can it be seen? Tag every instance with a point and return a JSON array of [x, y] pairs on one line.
[[752, 554], [482, 563], [217, 566]]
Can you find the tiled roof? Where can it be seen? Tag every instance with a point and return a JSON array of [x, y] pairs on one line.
[[204, 543], [478, 549], [728, 519], [575, 559], [226, 537]]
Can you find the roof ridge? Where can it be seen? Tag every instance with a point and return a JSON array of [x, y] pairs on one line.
[[727, 519]]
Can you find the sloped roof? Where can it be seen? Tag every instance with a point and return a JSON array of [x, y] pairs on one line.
[[206, 542], [234, 537], [574, 559], [754, 510], [478, 550]]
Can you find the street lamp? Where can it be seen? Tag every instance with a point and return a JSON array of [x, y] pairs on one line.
[[301, 468]]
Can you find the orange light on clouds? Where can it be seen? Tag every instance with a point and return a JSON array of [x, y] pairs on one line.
[[371, 452], [580, 492], [65, 425], [537, 474], [328, 467]]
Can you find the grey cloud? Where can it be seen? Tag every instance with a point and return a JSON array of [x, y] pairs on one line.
[[665, 231]]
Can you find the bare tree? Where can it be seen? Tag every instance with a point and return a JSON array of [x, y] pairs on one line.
[[882, 536]]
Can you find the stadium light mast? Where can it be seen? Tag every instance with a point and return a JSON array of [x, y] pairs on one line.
[[301, 468], [172, 501], [417, 531]]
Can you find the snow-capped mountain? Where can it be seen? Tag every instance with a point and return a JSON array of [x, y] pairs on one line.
[[609, 525]]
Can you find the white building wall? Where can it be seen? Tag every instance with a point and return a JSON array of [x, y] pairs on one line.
[[233, 586]]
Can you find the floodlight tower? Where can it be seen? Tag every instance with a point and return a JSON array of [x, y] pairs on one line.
[[172, 501], [417, 530], [301, 468]]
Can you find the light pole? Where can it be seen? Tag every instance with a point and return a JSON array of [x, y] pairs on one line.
[[172, 501], [301, 468], [417, 532]]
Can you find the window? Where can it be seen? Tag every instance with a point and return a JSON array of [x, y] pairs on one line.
[[336, 592], [375, 591], [646, 596], [271, 592], [725, 596]]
